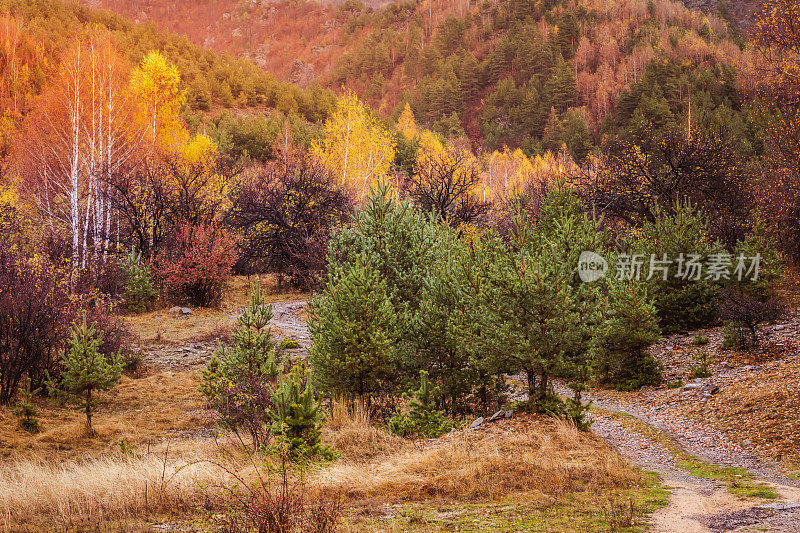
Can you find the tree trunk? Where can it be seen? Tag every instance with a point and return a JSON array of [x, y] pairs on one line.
[[89, 409], [542, 384], [531, 384]]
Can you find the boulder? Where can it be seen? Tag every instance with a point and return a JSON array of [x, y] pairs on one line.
[[509, 413], [478, 421]]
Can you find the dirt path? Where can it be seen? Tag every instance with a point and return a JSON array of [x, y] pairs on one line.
[[289, 320], [667, 444]]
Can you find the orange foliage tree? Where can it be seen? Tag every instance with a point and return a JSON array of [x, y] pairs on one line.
[[82, 131], [777, 38]]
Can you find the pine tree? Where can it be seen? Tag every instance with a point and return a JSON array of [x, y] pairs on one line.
[[354, 326], [422, 419], [25, 410], [683, 303], [297, 416], [438, 336], [561, 90], [139, 291], [629, 328], [535, 315], [253, 350], [239, 380], [88, 370]]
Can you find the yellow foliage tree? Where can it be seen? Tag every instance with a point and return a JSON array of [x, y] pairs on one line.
[[407, 124], [356, 146], [510, 173], [155, 82]]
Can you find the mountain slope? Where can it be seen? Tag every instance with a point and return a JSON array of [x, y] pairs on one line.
[[500, 71]]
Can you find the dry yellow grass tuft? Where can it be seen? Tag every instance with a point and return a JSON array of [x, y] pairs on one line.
[[34, 492], [348, 430], [529, 455]]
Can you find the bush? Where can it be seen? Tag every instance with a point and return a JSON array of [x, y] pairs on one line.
[[734, 337], [283, 216], [422, 421], [197, 264], [288, 343], [700, 369], [268, 505], [700, 340], [139, 291], [747, 303], [35, 313]]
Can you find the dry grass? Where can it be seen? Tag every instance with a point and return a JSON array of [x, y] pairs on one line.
[[527, 455], [348, 430], [165, 404], [114, 488], [162, 327]]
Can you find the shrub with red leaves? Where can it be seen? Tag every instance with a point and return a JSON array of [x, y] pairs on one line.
[[196, 264]]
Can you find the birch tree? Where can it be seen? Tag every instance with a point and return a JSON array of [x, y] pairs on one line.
[[82, 132], [356, 146]]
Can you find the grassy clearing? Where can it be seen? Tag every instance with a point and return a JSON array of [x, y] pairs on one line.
[[161, 327], [524, 474], [142, 410], [616, 510], [739, 480], [527, 474]]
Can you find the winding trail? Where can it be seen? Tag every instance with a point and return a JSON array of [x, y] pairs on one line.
[[664, 441]]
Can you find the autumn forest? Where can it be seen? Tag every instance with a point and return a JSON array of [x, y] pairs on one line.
[[420, 265]]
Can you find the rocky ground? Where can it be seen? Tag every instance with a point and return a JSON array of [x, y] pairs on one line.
[[744, 413], [288, 320]]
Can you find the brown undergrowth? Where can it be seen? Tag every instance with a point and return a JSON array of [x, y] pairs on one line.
[[527, 455]]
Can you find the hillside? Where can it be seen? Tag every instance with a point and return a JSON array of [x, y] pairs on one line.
[[493, 71], [37, 35]]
